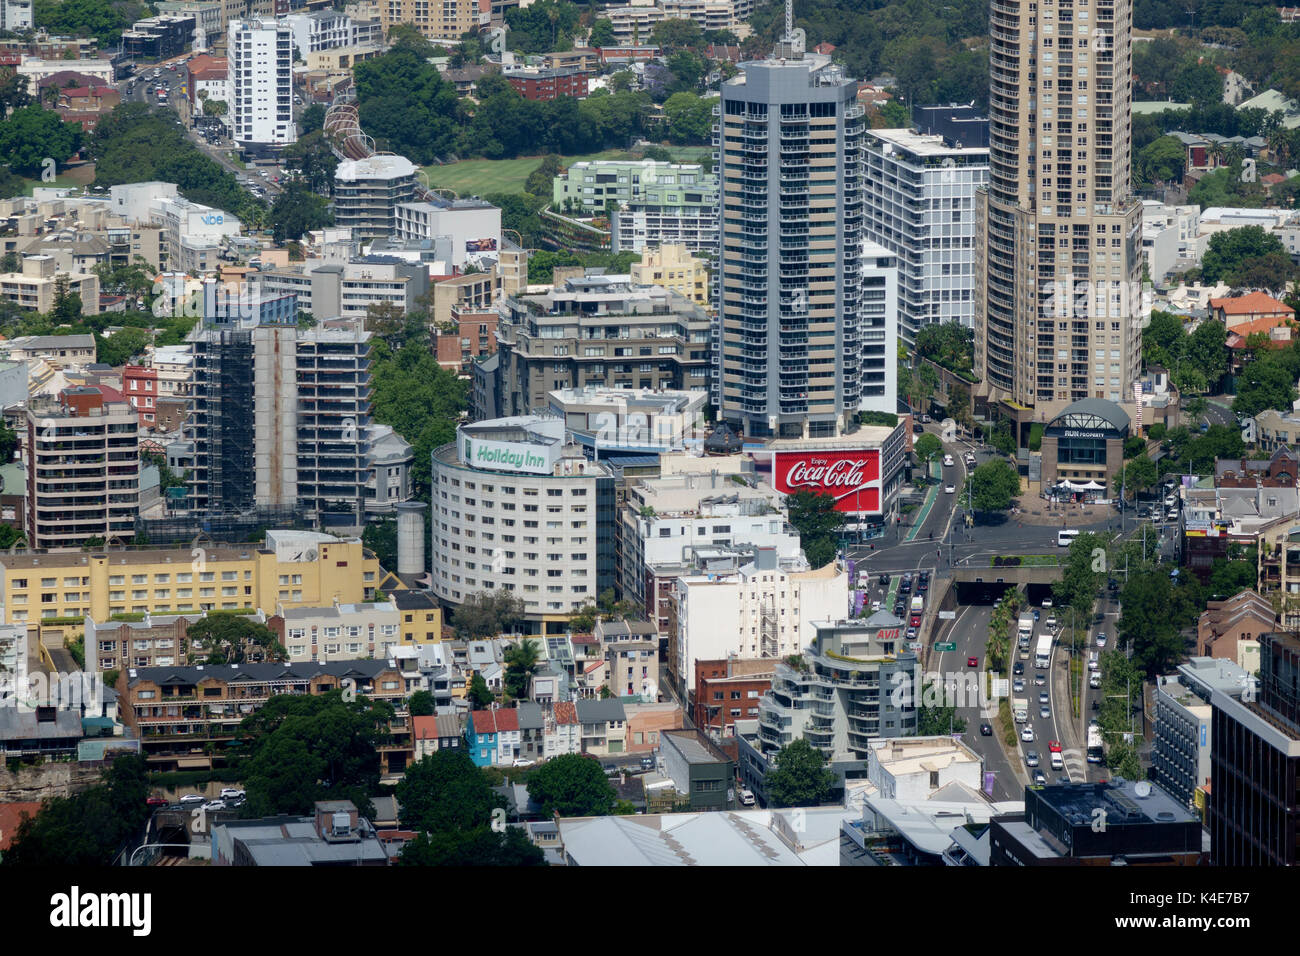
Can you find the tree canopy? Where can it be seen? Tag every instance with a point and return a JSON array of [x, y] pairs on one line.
[[488, 613], [800, 777], [813, 515], [993, 486], [1231, 250], [572, 785], [234, 638]]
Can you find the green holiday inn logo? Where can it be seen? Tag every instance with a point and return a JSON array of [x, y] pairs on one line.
[[514, 458]]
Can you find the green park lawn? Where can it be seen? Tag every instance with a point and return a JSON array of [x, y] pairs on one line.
[[479, 177]]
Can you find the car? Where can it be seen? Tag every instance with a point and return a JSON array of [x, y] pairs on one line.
[[1094, 681], [214, 805], [1040, 679], [191, 798], [1027, 735], [911, 633], [155, 801], [875, 606], [1054, 746], [1031, 758], [1037, 614], [947, 461], [746, 797], [986, 730], [917, 429], [1039, 779], [1018, 685], [972, 662], [1063, 781], [1101, 638], [923, 585], [1112, 586], [1045, 712], [521, 762], [900, 610], [228, 793], [927, 419], [884, 580], [915, 620], [948, 489], [647, 763], [1042, 698], [1047, 602], [1018, 669]]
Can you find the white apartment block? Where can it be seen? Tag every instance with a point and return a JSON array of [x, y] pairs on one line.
[[517, 509], [174, 365], [319, 30], [761, 611], [342, 632], [635, 22], [15, 15], [921, 207], [260, 53], [878, 322], [472, 225], [665, 519], [1171, 235]]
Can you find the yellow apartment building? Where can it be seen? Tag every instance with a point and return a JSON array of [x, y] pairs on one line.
[[290, 569]]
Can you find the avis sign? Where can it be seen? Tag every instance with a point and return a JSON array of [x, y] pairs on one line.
[[852, 478]]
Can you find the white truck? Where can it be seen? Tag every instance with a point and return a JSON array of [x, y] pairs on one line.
[[1026, 629], [1096, 752], [1020, 709], [1043, 653]]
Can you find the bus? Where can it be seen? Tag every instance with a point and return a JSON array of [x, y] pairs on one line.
[[1066, 538], [1096, 754]]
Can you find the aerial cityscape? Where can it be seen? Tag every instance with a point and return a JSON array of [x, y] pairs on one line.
[[912, 387]]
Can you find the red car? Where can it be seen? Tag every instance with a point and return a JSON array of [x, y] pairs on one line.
[[1054, 746], [916, 620], [972, 662], [156, 802]]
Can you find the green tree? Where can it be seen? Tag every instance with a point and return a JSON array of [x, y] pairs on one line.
[[8, 443], [892, 115], [88, 829], [124, 345], [473, 848], [488, 613], [813, 515], [949, 344], [297, 210], [602, 34], [800, 777], [302, 749], [314, 162], [541, 180], [312, 119], [231, 638], [690, 118], [1230, 578], [478, 692], [32, 134], [1229, 249], [381, 538], [927, 448], [572, 785], [521, 662], [993, 486], [675, 34], [421, 704], [1136, 476], [445, 792], [932, 721]]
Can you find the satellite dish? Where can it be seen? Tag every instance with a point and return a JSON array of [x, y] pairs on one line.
[[1142, 788]]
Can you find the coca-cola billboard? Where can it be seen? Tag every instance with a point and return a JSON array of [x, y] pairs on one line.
[[852, 478]]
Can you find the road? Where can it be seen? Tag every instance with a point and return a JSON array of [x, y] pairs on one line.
[[142, 87]]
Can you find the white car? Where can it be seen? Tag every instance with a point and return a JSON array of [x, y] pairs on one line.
[[875, 606], [1101, 640], [948, 489], [947, 461], [1047, 602], [191, 798], [214, 805], [1018, 685], [1027, 735], [231, 793], [522, 762], [746, 797]]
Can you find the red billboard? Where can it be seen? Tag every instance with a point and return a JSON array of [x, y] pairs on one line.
[[852, 478]]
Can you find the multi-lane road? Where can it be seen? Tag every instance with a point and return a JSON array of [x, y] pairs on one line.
[[937, 540]]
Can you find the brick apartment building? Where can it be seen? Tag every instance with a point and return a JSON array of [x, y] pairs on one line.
[[550, 84], [472, 335], [728, 690], [1224, 624]]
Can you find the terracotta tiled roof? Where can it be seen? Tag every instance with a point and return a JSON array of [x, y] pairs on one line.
[[1252, 302], [566, 713], [12, 814]]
